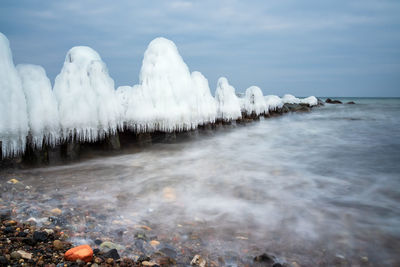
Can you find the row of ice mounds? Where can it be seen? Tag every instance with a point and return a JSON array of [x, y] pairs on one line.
[[84, 105]]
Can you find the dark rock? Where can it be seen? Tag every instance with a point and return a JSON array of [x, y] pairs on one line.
[[330, 101], [265, 258], [320, 102], [112, 253], [39, 236], [297, 107], [5, 214], [57, 221], [98, 242], [168, 251], [143, 258], [22, 234], [96, 251], [3, 261], [9, 230], [29, 241], [140, 235], [350, 103]]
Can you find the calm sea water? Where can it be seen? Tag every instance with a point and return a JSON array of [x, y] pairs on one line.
[[315, 188]]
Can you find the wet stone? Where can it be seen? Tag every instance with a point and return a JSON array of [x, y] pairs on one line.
[[15, 255], [98, 242], [113, 254], [39, 236], [9, 230]]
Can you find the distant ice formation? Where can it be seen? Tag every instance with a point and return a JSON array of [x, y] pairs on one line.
[[291, 99], [13, 112], [87, 102], [229, 107], [254, 102], [44, 122]]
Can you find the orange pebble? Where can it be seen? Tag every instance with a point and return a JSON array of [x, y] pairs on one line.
[[83, 252]]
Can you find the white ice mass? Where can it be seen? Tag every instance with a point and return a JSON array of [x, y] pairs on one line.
[[168, 97], [291, 99], [44, 122], [85, 106], [13, 113], [228, 103], [254, 102], [273, 102], [87, 101]]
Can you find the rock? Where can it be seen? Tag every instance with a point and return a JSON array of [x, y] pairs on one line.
[[49, 231], [25, 255], [112, 253], [94, 265], [265, 258], [298, 107], [29, 241], [15, 255], [83, 252], [56, 211], [364, 259], [9, 230], [110, 261], [3, 261], [154, 243], [58, 245], [39, 236], [107, 245], [10, 223], [330, 101], [13, 181], [143, 258], [198, 261], [168, 251], [148, 263], [98, 242], [350, 103], [5, 214]]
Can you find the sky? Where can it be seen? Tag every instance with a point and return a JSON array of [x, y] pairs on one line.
[[313, 47]]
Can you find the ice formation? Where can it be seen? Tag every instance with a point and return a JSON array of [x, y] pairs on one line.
[[229, 107], [168, 97], [254, 102], [13, 112], [291, 99], [87, 101], [273, 102], [41, 103]]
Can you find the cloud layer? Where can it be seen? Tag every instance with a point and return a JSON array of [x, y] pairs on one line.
[[324, 48]]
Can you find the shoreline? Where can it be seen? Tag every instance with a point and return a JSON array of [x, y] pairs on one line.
[[72, 151]]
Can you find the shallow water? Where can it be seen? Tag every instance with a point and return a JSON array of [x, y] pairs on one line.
[[321, 188]]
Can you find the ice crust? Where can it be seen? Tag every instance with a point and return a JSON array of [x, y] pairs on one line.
[[13, 112], [254, 102], [87, 102], [44, 122], [273, 102], [229, 106], [85, 106]]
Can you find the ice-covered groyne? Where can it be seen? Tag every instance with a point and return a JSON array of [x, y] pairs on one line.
[[84, 109]]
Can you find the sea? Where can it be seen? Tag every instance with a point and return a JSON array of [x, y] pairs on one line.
[[314, 189]]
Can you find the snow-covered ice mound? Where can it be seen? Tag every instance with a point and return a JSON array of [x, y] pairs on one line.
[[43, 119], [229, 106], [87, 102], [13, 112], [291, 99], [168, 97], [254, 102], [273, 102]]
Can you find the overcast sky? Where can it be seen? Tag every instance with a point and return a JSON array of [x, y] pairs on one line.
[[314, 47]]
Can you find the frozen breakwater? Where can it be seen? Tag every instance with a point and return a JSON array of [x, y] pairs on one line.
[[41, 124]]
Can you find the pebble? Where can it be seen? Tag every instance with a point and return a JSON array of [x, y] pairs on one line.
[[39, 236], [25, 255], [13, 181], [148, 263], [58, 244], [15, 255], [198, 261], [56, 211], [112, 253], [83, 252], [107, 245]]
